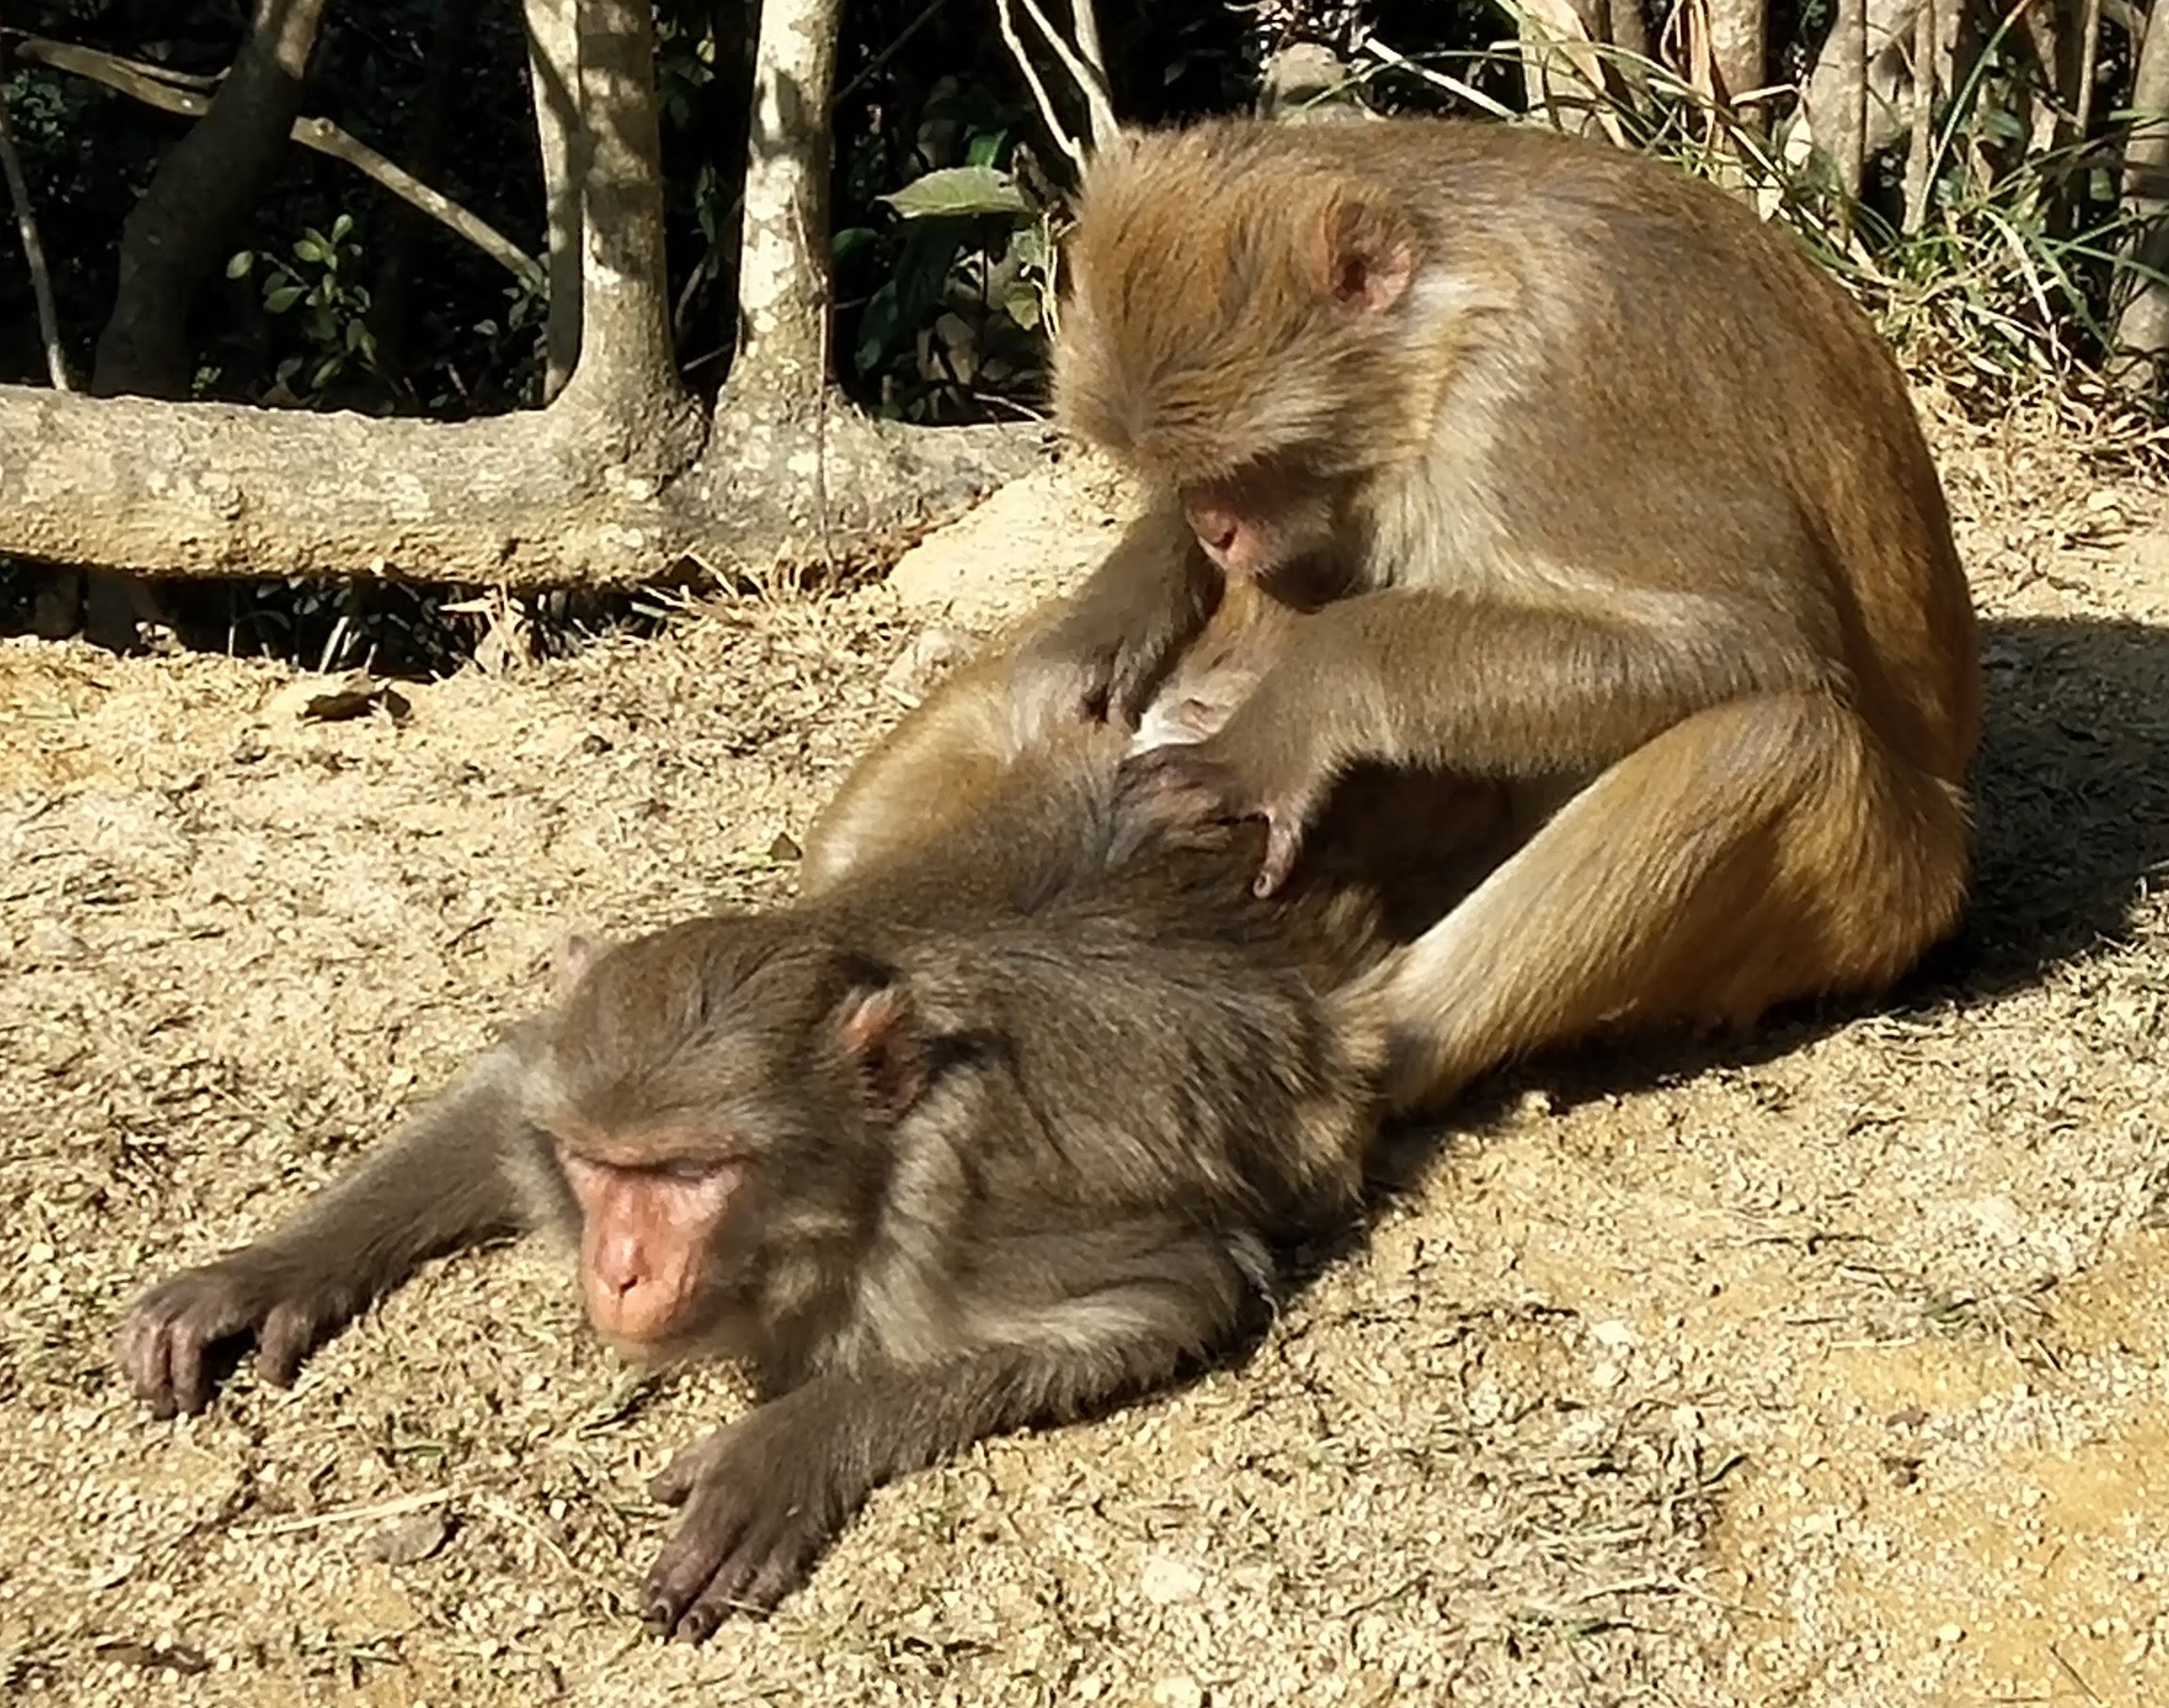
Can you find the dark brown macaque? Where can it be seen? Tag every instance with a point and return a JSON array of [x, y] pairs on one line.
[[1623, 498], [999, 1126]]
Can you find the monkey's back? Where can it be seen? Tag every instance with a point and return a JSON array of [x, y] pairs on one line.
[[1168, 1057]]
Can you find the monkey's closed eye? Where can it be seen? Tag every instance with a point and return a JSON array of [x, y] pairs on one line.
[[692, 1171]]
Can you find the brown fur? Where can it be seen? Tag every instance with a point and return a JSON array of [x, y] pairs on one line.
[[1627, 495], [984, 773], [998, 1124]]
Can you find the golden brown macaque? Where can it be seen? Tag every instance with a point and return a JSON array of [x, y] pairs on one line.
[[1628, 502], [1000, 1126]]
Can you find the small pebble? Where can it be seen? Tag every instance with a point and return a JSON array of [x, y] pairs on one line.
[[50, 941], [1167, 1579], [412, 1539]]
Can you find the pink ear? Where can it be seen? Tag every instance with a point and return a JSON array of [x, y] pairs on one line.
[[878, 1030], [1363, 253]]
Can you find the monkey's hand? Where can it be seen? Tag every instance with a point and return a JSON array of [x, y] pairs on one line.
[[1112, 640], [761, 1498], [170, 1329], [1091, 665], [1169, 790]]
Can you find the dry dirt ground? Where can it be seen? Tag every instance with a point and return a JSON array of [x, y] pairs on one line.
[[1827, 1371]]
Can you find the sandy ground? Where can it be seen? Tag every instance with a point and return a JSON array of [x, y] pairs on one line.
[[1826, 1372]]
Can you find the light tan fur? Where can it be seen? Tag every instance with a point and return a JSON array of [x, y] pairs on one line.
[[1629, 502]]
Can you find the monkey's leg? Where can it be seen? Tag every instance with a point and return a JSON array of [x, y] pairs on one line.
[[439, 1184], [1758, 852], [1128, 1309]]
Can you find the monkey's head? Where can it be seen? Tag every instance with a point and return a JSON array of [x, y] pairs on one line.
[[714, 1105], [1237, 331]]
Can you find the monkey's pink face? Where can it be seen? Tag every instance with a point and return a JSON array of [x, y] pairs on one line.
[[648, 1232], [1254, 524]]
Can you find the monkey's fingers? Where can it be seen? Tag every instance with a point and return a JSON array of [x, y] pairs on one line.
[[686, 1597], [288, 1335], [1132, 679], [1075, 680], [1283, 842], [140, 1353], [773, 1537], [163, 1344]]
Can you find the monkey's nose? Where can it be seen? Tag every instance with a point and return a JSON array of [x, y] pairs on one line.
[[1216, 529]]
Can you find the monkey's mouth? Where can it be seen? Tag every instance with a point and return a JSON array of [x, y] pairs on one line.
[[707, 1338], [656, 1355]]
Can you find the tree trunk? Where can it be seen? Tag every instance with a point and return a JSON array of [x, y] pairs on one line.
[[553, 71], [1822, 121], [783, 254], [612, 484], [2143, 326], [1920, 147], [627, 375], [1562, 77], [207, 184], [1737, 44], [172, 242]]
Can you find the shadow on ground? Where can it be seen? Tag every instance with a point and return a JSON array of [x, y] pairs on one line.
[[2071, 814]]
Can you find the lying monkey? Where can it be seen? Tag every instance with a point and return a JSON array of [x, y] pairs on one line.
[[994, 1128]]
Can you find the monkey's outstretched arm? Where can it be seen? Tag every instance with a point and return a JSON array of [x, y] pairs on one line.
[[439, 1184], [1476, 687], [1122, 628], [765, 1495], [1497, 689]]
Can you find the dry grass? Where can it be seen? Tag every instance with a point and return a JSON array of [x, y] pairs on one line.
[[1829, 1372]]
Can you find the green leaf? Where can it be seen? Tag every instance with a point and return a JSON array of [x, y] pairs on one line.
[[357, 334], [877, 325], [1021, 303], [959, 192], [327, 370], [985, 146], [341, 226], [279, 298], [1028, 247], [241, 265], [849, 241], [311, 248]]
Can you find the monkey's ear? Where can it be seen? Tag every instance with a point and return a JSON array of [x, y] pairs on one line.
[[878, 1029], [570, 959], [1363, 253]]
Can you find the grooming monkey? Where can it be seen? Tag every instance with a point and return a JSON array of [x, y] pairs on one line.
[[997, 1126], [1622, 499]]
